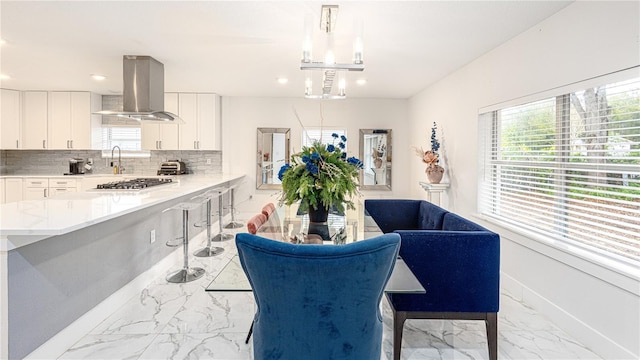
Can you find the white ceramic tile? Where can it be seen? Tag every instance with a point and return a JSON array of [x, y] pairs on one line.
[[109, 347], [214, 312], [215, 346], [182, 321], [547, 345], [148, 313]]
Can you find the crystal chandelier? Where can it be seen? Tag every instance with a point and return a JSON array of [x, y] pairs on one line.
[[329, 68]]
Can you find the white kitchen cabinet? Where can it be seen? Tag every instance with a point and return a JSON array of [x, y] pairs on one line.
[[71, 123], [12, 189], [35, 188], [59, 186], [34, 119], [2, 191], [201, 113], [159, 135], [10, 122]]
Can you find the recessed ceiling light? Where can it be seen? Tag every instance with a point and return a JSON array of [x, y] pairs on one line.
[[98, 77], [282, 80], [4, 77], [361, 81]]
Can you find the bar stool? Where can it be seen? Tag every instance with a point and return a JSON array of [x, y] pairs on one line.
[[221, 236], [208, 250], [187, 273], [232, 208]]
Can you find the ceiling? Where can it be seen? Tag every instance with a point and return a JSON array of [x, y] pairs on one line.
[[240, 48]]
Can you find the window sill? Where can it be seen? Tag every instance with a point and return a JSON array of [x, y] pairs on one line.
[[618, 271]]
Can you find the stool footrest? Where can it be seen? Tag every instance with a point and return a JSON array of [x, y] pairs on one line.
[[175, 242], [201, 224]]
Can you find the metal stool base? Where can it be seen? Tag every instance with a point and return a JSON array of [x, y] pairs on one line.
[[185, 275], [234, 225], [223, 237], [209, 251]]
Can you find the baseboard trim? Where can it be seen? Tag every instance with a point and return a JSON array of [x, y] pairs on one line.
[[67, 337], [596, 341]]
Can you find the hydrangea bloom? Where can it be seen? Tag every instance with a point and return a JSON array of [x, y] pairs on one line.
[[283, 169], [331, 148], [312, 168]]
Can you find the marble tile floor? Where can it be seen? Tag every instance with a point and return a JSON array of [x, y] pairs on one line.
[[182, 321]]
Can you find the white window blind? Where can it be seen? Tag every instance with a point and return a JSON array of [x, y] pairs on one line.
[[128, 138], [567, 167], [323, 135]]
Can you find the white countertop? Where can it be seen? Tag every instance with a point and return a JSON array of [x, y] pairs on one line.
[[28, 221]]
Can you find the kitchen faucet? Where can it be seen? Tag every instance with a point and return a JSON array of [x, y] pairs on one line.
[[119, 169]]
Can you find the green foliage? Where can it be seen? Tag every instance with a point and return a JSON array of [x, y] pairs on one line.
[[531, 137], [322, 175]]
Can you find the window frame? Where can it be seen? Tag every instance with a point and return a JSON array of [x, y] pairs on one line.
[[107, 146], [488, 143]]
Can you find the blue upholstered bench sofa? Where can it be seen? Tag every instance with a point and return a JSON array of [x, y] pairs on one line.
[[455, 259]]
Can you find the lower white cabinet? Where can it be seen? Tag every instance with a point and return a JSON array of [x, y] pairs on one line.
[[59, 186], [35, 188], [12, 189], [39, 188]]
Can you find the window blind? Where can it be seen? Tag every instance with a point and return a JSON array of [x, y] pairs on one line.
[[323, 135], [127, 138], [567, 167]]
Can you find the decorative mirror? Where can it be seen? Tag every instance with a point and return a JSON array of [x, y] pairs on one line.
[[273, 152], [375, 153]]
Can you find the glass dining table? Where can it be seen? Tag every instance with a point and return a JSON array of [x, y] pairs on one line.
[[287, 223]]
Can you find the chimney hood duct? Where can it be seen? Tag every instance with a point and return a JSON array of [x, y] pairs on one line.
[[143, 91]]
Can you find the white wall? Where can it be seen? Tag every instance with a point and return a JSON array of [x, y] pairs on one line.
[[241, 116], [600, 306]]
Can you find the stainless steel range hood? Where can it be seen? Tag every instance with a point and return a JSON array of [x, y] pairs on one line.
[[143, 91]]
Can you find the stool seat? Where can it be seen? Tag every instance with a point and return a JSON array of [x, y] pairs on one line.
[[186, 274]]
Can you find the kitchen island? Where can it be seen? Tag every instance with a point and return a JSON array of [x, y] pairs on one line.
[[61, 256]]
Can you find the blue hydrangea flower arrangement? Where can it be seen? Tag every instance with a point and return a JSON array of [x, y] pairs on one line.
[[322, 175]]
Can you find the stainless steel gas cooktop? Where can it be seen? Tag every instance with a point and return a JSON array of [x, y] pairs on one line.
[[134, 184]]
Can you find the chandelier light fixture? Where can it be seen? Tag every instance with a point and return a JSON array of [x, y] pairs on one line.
[[329, 68]]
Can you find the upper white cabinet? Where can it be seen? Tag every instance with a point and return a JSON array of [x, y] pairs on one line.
[[34, 120], [162, 136], [201, 113], [61, 120], [71, 123], [10, 124]]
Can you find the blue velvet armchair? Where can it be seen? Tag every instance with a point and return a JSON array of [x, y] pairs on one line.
[[456, 260], [317, 301]]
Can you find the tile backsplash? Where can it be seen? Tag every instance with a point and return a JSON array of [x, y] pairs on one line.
[[56, 162]]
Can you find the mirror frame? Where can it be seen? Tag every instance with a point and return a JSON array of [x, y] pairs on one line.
[[259, 151], [388, 160]]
